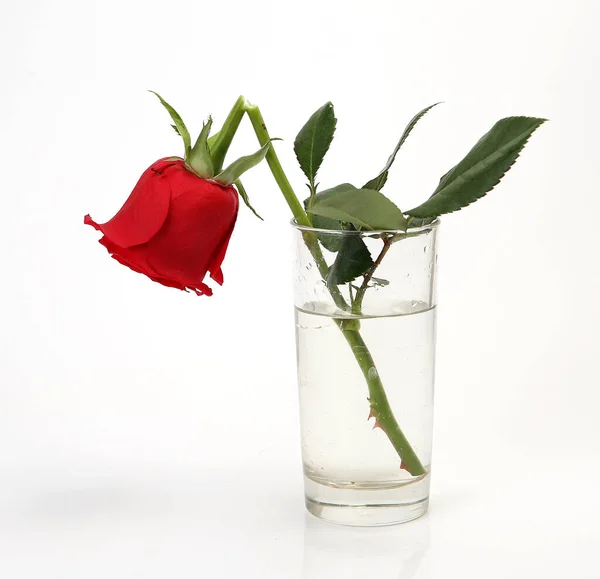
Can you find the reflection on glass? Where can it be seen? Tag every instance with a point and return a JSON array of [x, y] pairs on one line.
[[332, 551]]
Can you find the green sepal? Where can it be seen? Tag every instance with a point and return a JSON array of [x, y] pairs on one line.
[[242, 192], [199, 158], [179, 124], [232, 173]]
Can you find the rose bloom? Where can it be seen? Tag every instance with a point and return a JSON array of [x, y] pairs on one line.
[[174, 227]]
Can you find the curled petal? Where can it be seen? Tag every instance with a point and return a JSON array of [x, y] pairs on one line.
[[136, 259], [174, 228], [143, 214]]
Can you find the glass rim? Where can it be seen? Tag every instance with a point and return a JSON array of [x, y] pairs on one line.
[[367, 232]]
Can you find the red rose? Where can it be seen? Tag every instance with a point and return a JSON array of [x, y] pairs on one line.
[[174, 228]]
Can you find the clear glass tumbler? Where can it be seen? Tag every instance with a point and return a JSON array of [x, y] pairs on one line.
[[366, 356]]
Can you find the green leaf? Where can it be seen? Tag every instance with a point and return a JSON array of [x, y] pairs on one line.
[[176, 130], [331, 242], [313, 141], [353, 260], [199, 158], [239, 167], [378, 182], [365, 208], [482, 169], [421, 222], [244, 196], [179, 124], [353, 257]]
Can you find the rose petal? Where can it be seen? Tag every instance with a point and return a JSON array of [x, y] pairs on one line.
[[217, 259], [143, 214], [197, 224], [136, 259]]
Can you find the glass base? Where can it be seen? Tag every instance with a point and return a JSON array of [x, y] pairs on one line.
[[368, 506]]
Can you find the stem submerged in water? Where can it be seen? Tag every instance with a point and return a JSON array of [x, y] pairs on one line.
[[380, 406]]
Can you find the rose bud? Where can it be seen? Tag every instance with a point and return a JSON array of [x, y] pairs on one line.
[[176, 224]]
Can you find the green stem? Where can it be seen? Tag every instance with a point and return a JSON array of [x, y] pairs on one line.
[[380, 405], [379, 402], [310, 239], [387, 244], [258, 123], [360, 294], [219, 143]]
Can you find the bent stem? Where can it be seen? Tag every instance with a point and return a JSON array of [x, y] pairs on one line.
[[219, 143], [260, 128], [380, 406]]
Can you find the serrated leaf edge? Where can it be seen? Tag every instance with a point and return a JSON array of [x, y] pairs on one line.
[[429, 215], [378, 182], [311, 172]]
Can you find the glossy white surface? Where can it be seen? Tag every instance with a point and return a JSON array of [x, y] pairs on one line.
[[250, 522]]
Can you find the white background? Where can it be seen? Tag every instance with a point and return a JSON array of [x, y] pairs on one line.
[[145, 432]]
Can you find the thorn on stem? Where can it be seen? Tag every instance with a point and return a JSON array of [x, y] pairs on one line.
[[373, 415]]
